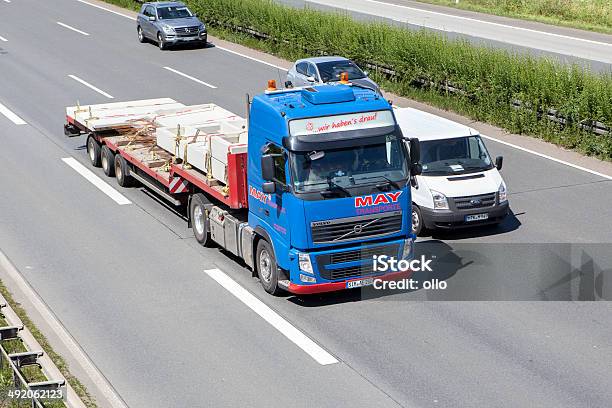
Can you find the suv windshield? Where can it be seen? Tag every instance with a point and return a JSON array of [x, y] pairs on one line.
[[330, 71], [349, 167], [454, 156], [169, 13]]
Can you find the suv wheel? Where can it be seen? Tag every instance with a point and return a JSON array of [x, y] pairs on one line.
[[141, 36], [160, 41]]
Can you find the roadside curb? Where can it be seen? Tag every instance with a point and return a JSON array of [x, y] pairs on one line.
[[58, 337]]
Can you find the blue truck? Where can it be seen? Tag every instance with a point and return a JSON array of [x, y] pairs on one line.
[[316, 185]]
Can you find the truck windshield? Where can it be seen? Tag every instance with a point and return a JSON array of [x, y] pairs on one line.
[[454, 156], [355, 166], [169, 13]]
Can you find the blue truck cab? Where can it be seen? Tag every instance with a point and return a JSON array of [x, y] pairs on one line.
[[329, 188]]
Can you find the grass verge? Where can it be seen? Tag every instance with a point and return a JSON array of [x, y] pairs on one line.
[[424, 65], [592, 15], [33, 373]]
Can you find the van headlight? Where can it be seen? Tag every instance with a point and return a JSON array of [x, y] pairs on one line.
[[305, 264], [168, 29], [440, 201], [502, 193]]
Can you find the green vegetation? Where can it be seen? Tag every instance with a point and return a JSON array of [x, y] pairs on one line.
[[595, 15], [490, 80], [34, 373]]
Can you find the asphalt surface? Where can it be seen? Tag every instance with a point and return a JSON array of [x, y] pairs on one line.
[[128, 281], [567, 45]]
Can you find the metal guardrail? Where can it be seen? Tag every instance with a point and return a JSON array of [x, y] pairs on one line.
[[588, 125], [16, 361]]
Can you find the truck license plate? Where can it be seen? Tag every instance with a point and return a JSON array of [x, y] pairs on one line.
[[359, 283], [476, 217]]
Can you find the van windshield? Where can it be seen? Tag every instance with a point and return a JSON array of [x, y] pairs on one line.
[[459, 155]]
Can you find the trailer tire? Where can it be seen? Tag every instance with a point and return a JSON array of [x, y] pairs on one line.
[[199, 219], [108, 161], [122, 172], [94, 151], [267, 268]]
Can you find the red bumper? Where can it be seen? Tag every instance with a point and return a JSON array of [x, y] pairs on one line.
[[336, 286]]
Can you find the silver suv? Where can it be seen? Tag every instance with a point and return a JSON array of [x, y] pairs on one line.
[[169, 23]]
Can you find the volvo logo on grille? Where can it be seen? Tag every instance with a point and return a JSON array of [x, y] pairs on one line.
[[475, 202], [357, 229]]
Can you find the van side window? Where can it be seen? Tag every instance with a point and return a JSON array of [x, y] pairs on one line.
[[279, 162]]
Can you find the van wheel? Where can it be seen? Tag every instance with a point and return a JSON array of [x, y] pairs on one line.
[[267, 269], [94, 151], [199, 219], [122, 172], [108, 161], [417, 221]]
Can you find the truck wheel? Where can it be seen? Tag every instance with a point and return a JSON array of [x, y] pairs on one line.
[[199, 219], [93, 151], [417, 221], [141, 36], [160, 42], [267, 269], [122, 172], [108, 161]]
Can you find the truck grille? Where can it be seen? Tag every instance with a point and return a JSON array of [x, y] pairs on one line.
[[478, 201], [348, 229], [186, 31], [364, 255]]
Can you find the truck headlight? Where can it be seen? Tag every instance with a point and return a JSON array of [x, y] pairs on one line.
[[305, 264], [168, 29], [502, 193], [439, 200], [407, 252]]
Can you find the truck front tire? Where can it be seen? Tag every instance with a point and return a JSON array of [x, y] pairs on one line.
[[94, 151], [267, 269], [108, 161], [199, 219]]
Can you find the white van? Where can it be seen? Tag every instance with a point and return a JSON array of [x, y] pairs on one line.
[[460, 185]]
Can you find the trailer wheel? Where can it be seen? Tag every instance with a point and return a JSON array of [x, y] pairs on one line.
[[108, 161], [267, 269], [122, 172], [93, 151], [199, 219]]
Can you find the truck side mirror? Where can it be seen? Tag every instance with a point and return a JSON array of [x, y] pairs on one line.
[[267, 167], [499, 162], [269, 187], [416, 169], [415, 151]]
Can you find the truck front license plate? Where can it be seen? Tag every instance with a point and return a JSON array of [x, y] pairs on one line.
[[359, 283], [476, 217]]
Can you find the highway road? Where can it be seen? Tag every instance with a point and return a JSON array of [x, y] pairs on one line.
[[128, 280], [560, 43]]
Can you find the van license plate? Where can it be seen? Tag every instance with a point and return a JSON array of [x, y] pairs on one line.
[[359, 283], [476, 217]]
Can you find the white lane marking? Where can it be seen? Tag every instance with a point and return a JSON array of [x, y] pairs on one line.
[[96, 181], [3, 39], [105, 9], [71, 28], [190, 77], [489, 22], [11, 116], [87, 84], [65, 337], [251, 58], [287, 329], [545, 156]]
